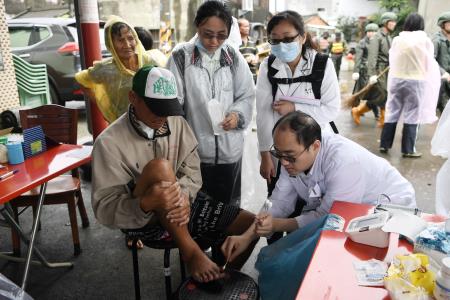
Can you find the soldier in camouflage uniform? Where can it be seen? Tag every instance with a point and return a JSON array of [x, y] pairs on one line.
[[360, 72], [378, 60], [441, 41]]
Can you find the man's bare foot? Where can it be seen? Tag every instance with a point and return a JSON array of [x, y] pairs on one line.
[[202, 268]]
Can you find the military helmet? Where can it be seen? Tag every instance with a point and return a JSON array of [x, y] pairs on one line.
[[444, 17], [371, 27], [388, 16]]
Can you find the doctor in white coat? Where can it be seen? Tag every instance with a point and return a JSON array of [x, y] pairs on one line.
[[294, 57], [320, 168]]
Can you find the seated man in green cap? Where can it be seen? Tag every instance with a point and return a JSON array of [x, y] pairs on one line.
[[146, 175]]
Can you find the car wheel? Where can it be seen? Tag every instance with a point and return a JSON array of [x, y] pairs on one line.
[[54, 97]]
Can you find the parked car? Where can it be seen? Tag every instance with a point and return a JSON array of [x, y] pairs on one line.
[[54, 42]]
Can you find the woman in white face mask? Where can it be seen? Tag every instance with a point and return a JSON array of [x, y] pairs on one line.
[[293, 77]]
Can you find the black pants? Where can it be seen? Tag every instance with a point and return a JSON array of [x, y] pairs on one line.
[[409, 136], [223, 182]]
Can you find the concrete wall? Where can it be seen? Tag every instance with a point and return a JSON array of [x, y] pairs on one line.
[[330, 10], [143, 13], [9, 96], [430, 10]]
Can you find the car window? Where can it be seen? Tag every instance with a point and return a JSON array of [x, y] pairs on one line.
[[27, 36], [20, 36]]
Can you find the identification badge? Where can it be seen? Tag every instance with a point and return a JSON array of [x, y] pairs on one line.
[[315, 191]]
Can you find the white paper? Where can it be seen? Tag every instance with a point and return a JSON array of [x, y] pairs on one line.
[[216, 114], [80, 153], [301, 100], [405, 224]]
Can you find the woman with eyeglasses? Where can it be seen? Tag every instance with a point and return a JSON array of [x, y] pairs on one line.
[[216, 88], [295, 77]]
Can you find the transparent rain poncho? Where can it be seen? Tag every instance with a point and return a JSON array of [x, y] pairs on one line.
[[440, 146], [109, 79], [411, 59]]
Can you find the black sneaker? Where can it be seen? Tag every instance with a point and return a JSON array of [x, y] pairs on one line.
[[383, 150], [412, 155]]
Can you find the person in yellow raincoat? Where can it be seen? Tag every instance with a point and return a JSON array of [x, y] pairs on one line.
[[109, 80]]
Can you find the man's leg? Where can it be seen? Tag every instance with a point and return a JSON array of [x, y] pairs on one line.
[[200, 266]]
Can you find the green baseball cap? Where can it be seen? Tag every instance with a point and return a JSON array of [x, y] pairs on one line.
[[157, 87]]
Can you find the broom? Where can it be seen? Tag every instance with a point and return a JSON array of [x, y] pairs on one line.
[[354, 99]]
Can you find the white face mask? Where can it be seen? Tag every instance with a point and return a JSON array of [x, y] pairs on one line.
[[286, 52]]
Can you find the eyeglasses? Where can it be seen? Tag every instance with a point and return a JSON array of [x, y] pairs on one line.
[[289, 158], [209, 36], [285, 40]]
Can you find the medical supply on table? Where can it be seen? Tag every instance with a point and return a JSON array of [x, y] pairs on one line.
[[409, 275], [3, 150], [15, 153], [367, 230], [8, 174], [433, 241], [334, 222], [442, 288], [394, 209], [370, 272]]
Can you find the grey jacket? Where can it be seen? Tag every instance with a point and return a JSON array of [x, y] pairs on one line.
[[232, 85], [442, 51]]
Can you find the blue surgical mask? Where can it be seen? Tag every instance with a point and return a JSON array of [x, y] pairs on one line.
[[286, 52]]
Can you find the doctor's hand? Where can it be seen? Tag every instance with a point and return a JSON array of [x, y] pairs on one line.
[[235, 245], [267, 169], [355, 76], [230, 122], [182, 211], [283, 107], [373, 79], [263, 224]]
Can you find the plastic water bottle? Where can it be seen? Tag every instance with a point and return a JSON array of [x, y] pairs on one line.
[[442, 288]]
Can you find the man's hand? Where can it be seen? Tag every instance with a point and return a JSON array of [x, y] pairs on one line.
[[373, 79], [264, 224], [235, 245], [162, 196], [180, 214], [267, 169], [283, 107], [230, 122], [355, 76]]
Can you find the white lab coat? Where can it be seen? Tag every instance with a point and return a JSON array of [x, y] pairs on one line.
[[343, 170], [266, 117]]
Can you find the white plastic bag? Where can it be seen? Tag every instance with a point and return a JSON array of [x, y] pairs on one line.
[[216, 114], [440, 145]]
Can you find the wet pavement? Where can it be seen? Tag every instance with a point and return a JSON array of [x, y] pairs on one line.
[[104, 268]]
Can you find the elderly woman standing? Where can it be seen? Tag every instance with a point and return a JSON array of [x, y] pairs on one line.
[[109, 81], [216, 88]]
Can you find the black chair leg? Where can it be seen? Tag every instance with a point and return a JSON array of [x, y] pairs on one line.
[[167, 274], [182, 268], [137, 288]]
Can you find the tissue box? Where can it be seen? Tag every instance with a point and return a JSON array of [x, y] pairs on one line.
[[33, 141]]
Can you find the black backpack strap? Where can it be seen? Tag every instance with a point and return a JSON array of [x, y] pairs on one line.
[[271, 71], [317, 73]]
